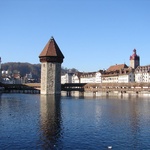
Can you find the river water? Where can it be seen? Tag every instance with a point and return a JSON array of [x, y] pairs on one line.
[[30, 121]]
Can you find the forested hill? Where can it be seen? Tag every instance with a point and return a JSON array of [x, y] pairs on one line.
[[23, 68], [26, 68]]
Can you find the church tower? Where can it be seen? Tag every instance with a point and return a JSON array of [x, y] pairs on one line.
[[51, 59], [134, 60]]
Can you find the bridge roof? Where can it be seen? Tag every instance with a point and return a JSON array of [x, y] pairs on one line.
[[51, 50]]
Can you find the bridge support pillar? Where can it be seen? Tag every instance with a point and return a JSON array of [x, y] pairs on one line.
[[81, 94], [68, 93], [94, 94]]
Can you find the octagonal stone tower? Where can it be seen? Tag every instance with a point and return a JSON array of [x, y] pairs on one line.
[[51, 59]]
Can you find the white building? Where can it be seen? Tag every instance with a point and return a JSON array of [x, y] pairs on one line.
[[89, 77], [110, 77], [75, 78], [67, 78], [29, 76], [126, 76], [82, 77], [118, 74], [142, 74]]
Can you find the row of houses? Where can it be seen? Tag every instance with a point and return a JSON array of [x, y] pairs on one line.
[[119, 73], [8, 77], [15, 78]]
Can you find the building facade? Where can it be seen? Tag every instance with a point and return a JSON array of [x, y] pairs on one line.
[[120, 73], [67, 78], [142, 74], [89, 77], [82, 77]]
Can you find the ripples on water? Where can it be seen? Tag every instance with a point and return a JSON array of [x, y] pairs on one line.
[[47, 122]]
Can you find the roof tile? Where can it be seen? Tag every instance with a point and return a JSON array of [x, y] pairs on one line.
[[117, 67]]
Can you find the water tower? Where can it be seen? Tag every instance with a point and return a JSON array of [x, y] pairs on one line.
[[51, 59]]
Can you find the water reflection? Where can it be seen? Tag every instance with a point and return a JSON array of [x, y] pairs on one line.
[[134, 120], [45, 122], [50, 120]]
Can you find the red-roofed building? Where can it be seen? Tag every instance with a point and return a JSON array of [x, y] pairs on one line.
[[120, 73], [117, 67]]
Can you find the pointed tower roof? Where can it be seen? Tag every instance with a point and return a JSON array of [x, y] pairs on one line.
[[134, 56], [51, 52]]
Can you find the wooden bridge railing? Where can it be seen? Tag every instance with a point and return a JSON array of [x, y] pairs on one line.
[[21, 88], [73, 87]]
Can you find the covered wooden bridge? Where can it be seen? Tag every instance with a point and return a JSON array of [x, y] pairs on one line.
[[81, 87]]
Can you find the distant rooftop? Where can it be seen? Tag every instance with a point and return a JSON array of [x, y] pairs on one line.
[[117, 67]]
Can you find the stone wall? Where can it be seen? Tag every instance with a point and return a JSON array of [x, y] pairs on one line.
[[50, 78]]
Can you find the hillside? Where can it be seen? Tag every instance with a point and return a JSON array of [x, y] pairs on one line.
[[26, 68], [23, 68]]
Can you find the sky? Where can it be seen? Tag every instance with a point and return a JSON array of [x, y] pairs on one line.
[[92, 34]]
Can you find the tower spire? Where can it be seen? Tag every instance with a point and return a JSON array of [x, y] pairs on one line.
[[134, 60]]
